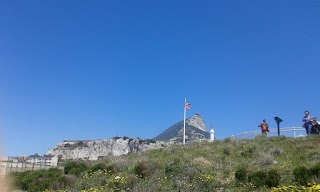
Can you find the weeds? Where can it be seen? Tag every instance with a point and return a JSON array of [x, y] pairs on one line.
[[260, 164]]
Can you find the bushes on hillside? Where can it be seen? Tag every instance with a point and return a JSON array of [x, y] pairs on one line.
[[174, 167], [143, 169], [301, 175], [273, 178], [247, 151], [228, 165], [304, 176], [315, 170], [241, 174], [39, 180], [259, 178], [97, 167], [74, 168]]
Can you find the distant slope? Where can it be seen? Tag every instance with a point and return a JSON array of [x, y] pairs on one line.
[[195, 130]]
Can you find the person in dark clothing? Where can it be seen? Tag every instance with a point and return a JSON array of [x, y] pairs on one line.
[[315, 127]]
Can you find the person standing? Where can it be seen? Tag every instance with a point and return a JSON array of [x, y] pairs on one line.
[[264, 127], [307, 122], [315, 126]]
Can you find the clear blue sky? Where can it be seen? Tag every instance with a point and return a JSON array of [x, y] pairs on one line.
[[99, 69]]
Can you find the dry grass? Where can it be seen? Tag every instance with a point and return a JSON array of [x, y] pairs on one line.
[[202, 162]]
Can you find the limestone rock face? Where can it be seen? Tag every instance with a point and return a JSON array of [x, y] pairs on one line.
[[196, 121], [92, 150], [195, 130]]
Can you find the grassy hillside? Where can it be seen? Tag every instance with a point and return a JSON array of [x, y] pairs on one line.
[[227, 165]]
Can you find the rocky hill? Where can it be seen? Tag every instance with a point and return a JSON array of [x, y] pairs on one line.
[[92, 150], [195, 130]]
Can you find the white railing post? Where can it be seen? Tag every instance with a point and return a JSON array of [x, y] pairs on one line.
[[286, 131]]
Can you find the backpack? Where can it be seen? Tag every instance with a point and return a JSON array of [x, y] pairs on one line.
[[264, 127]]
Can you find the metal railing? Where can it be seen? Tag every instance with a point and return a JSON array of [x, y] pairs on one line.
[[286, 131]]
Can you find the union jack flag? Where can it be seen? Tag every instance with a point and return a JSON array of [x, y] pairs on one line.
[[187, 105]]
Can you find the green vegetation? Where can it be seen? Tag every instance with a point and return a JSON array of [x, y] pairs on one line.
[[41, 180], [260, 164], [74, 168]]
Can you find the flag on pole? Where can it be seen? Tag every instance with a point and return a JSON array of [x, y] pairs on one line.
[[187, 105]]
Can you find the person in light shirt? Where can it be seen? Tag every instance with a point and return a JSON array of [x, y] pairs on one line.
[[307, 122]]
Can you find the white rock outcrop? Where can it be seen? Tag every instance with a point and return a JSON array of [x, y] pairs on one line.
[[196, 121], [92, 150]]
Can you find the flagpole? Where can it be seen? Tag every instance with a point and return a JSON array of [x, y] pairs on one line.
[[184, 122]]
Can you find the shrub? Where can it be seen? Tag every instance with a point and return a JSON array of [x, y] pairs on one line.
[[261, 178], [302, 175], [248, 151], [276, 151], [174, 168], [264, 159], [68, 166], [20, 180], [97, 167], [315, 170], [226, 151], [202, 162], [241, 174], [74, 168], [110, 169], [273, 178], [142, 169], [227, 140], [258, 178], [39, 180]]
